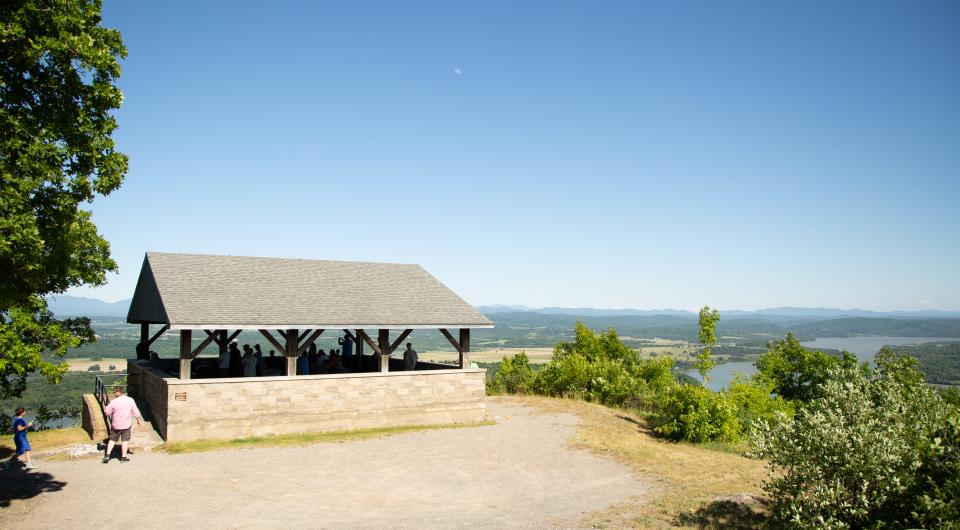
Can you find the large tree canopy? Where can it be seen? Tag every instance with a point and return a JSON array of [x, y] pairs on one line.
[[58, 69]]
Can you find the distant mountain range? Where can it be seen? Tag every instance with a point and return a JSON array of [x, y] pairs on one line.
[[782, 312], [75, 306], [70, 306]]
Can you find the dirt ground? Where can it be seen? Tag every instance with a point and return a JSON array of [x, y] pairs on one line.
[[520, 472]]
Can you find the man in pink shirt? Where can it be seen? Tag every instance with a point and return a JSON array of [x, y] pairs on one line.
[[121, 411]]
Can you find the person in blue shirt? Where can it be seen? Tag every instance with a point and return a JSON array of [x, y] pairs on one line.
[[20, 427], [303, 364]]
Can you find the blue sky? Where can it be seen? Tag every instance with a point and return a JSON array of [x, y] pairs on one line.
[[634, 154]]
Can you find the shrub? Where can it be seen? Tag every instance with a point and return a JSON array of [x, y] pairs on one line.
[[600, 367], [93, 368], [696, 414], [855, 456], [937, 494], [752, 401], [514, 376]]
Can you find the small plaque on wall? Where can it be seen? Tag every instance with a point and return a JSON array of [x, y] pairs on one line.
[[179, 396]]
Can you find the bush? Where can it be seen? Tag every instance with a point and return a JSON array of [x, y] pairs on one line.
[[112, 368], [696, 414], [600, 367], [856, 456], [752, 401], [514, 376], [93, 368]]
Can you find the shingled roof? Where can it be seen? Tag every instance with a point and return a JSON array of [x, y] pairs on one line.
[[195, 291]]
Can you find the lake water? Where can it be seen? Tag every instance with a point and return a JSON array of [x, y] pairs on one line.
[[865, 348]]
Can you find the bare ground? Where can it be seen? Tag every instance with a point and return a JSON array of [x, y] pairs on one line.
[[520, 472]]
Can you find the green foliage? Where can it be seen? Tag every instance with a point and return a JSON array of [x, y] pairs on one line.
[[514, 376], [855, 455], [752, 402], [937, 493], [26, 334], [708, 337], [57, 73], [940, 361], [93, 368], [600, 367], [796, 373], [696, 414]]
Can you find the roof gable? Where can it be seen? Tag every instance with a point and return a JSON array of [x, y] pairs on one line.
[[230, 292]]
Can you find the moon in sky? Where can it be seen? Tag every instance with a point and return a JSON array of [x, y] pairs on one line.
[[457, 71]]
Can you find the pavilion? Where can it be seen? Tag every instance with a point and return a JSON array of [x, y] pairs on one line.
[[291, 303]]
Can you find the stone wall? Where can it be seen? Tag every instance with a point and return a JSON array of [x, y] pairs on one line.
[[228, 408], [149, 386]]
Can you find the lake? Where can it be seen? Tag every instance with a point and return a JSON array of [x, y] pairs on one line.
[[865, 348]]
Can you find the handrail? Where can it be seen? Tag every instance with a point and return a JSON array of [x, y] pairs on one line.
[[101, 392]]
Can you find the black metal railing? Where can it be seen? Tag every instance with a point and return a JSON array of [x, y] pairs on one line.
[[103, 390]]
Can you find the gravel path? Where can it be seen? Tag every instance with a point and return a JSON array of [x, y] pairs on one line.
[[517, 473]]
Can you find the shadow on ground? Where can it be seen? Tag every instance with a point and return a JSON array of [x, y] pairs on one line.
[[728, 513], [642, 426], [19, 483]]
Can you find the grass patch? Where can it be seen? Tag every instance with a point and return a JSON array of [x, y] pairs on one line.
[[284, 440], [694, 486]]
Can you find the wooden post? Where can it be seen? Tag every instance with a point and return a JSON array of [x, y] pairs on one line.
[[358, 350], [223, 342], [292, 336], [464, 347], [383, 340], [186, 351], [144, 332]]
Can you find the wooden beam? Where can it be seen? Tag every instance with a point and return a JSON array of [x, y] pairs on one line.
[[405, 334], [358, 350], [465, 347], [383, 340], [186, 337], [366, 338], [223, 340], [306, 344], [144, 332], [351, 335], [452, 340], [302, 335], [276, 344], [232, 336], [210, 338], [292, 336], [157, 335]]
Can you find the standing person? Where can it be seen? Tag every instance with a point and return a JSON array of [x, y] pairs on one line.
[[121, 411], [303, 364], [347, 344], [410, 358], [223, 367], [20, 427], [261, 364], [249, 362], [235, 369]]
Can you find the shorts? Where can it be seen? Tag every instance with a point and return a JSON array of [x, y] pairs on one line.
[[23, 445], [123, 435]]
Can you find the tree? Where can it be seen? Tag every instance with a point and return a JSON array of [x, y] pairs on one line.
[[708, 337], [58, 69], [796, 373]]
